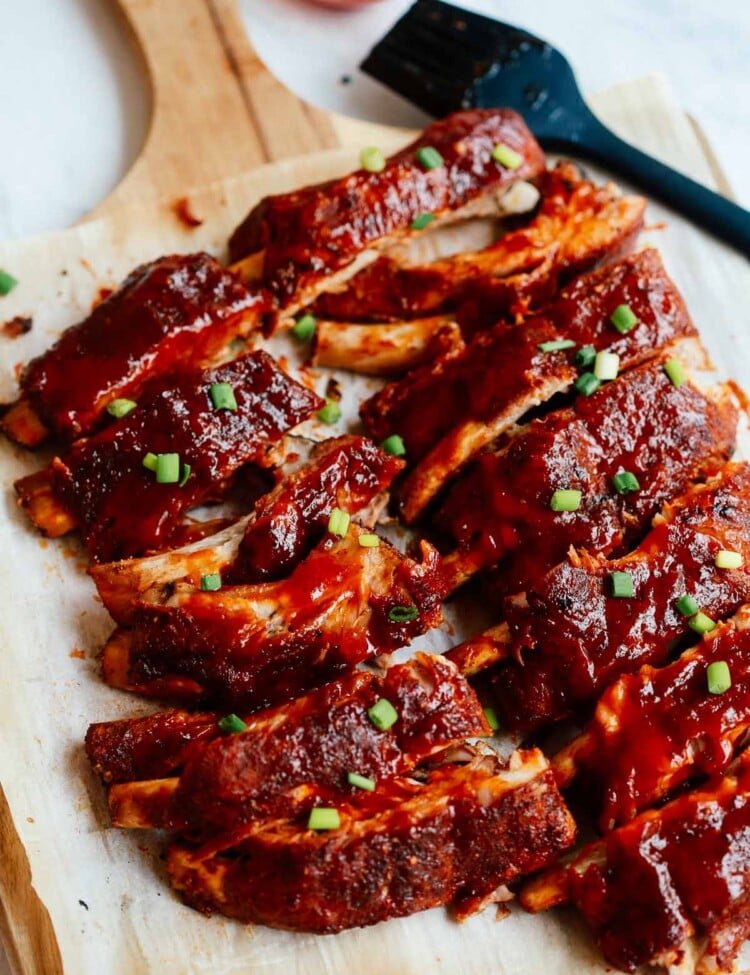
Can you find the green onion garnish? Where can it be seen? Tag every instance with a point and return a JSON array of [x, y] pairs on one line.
[[304, 327], [491, 716], [676, 372], [686, 605], [556, 345], [167, 468], [429, 158], [338, 522], [403, 614], [7, 282], [211, 582], [622, 585], [565, 500], [587, 383], [506, 156], [394, 445], [624, 482], [624, 319], [726, 559], [718, 677], [323, 817], [232, 725], [360, 781], [330, 413], [222, 396], [422, 220], [372, 159], [121, 407], [382, 714], [186, 471], [585, 357], [606, 365], [700, 623], [149, 461], [368, 540]]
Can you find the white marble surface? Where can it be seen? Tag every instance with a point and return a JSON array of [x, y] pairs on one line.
[[75, 108]]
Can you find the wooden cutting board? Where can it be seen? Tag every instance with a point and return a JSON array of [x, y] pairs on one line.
[[74, 897]]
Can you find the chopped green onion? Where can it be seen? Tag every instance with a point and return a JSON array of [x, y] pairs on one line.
[[167, 468], [149, 461], [606, 365], [506, 156], [232, 725], [304, 327], [121, 407], [211, 582], [338, 522], [491, 716], [323, 817], [622, 585], [368, 540], [429, 158], [7, 282], [330, 413], [556, 345], [372, 159], [382, 714], [186, 471], [222, 396], [718, 677], [624, 482], [587, 383], [686, 605], [676, 372], [585, 357], [565, 500], [403, 614], [422, 220], [360, 781], [701, 623], [725, 559], [394, 445], [624, 319]]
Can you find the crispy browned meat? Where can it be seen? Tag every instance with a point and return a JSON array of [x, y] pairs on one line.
[[503, 373], [648, 886], [653, 730], [577, 226], [118, 504], [173, 313], [313, 234], [250, 646], [458, 837], [569, 637], [318, 739], [500, 513]]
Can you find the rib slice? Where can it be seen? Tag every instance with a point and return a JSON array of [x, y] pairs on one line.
[[459, 837], [347, 472], [503, 374], [172, 313], [318, 739], [315, 237], [653, 730], [650, 885], [499, 512], [576, 226], [569, 638], [117, 503], [251, 646]]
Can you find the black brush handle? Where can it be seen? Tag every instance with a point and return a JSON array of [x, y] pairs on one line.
[[710, 210]]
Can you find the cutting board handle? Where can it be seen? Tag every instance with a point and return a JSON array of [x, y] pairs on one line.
[[216, 109]]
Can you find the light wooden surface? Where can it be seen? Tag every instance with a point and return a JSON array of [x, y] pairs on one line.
[[217, 113]]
